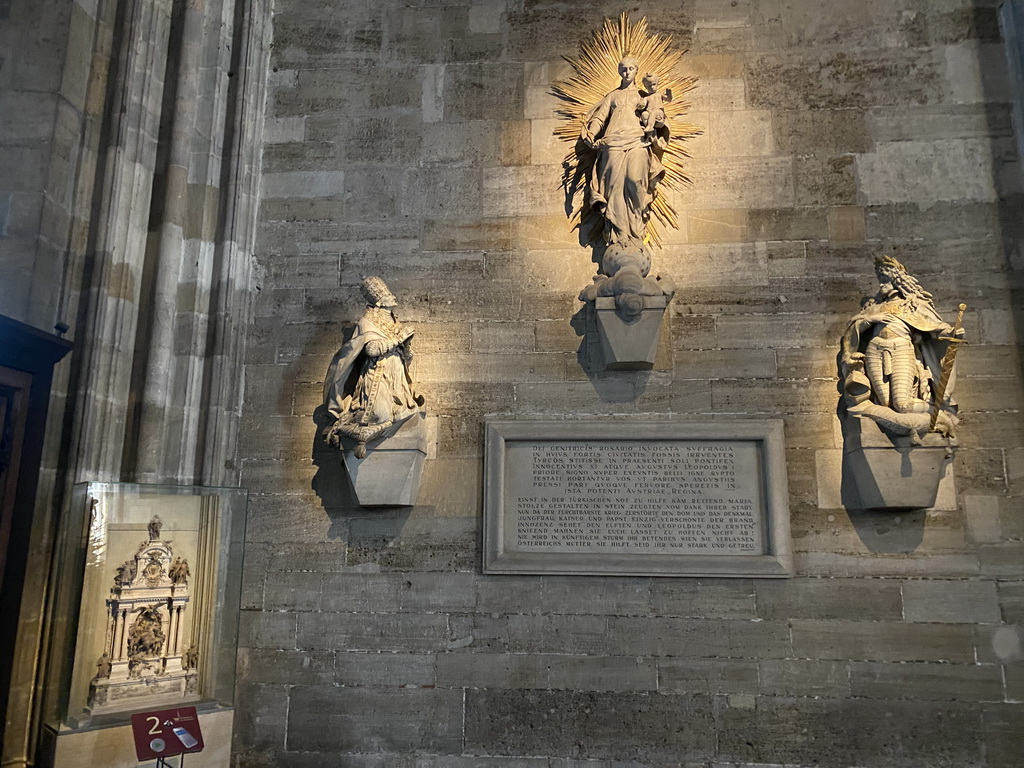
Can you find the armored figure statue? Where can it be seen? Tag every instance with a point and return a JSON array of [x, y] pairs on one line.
[[368, 389], [894, 363], [154, 527], [126, 572]]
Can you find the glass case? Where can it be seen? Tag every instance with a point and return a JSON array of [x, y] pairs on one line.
[[148, 594]]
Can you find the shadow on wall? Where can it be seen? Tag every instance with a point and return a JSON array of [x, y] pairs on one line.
[[887, 532], [612, 386], [331, 483], [333, 487], [882, 531]]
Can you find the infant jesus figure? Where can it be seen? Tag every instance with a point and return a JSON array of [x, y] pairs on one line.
[[652, 107]]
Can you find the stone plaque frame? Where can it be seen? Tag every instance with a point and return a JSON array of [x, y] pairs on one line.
[[775, 559]]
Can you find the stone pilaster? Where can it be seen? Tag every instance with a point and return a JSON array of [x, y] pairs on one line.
[[114, 271]]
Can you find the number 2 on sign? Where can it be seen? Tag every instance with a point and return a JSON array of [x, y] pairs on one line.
[[155, 730]]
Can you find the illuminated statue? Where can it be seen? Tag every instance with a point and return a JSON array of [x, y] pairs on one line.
[[103, 667], [145, 641], [179, 571], [896, 366], [368, 389], [627, 157], [626, 144], [624, 179], [147, 625], [653, 115]]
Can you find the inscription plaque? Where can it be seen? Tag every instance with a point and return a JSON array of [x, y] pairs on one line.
[[682, 499]]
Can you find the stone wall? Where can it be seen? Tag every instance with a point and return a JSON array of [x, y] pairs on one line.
[[35, 148], [413, 140]]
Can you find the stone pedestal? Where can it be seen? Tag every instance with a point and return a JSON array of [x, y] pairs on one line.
[[389, 476], [114, 746], [886, 472], [629, 345]]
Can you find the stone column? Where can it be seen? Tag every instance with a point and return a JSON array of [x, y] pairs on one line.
[[203, 221], [233, 280], [118, 636], [171, 364], [122, 646], [200, 247], [177, 630], [104, 362]]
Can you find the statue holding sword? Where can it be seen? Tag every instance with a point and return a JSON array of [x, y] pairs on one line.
[[896, 363]]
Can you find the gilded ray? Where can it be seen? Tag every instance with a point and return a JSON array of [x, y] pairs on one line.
[[595, 75]]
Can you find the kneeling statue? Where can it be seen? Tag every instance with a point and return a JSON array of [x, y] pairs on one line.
[[368, 389]]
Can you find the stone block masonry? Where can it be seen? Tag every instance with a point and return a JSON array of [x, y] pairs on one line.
[[412, 140]]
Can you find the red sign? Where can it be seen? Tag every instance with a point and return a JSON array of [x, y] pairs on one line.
[[167, 732]]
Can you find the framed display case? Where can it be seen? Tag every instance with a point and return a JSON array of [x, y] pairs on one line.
[[147, 604]]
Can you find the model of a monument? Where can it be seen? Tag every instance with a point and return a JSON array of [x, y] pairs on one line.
[[378, 421], [145, 658], [627, 154], [897, 375]]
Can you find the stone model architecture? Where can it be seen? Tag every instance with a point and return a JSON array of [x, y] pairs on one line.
[[145, 659], [369, 393], [897, 375], [627, 144]]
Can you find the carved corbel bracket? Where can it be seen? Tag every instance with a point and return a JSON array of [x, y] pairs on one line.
[[630, 343], [882, 471], [389, 475]]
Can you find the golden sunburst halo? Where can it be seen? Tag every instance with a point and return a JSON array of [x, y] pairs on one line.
[[596, 74]]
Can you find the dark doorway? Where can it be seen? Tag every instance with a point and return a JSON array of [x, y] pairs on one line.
[[27, 358]]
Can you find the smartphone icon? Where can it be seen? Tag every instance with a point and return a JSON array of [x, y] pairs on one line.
[[184, 737]]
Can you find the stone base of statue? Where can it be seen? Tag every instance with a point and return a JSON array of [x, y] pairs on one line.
[[882, 471], [389, 476], [115, 695], [629, 304], [629, 343]]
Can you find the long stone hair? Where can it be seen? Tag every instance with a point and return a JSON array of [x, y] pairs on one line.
[[905, 283]]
